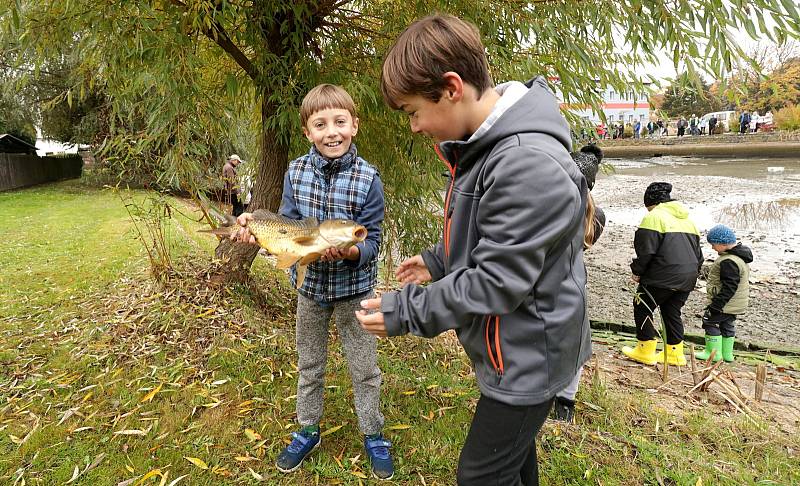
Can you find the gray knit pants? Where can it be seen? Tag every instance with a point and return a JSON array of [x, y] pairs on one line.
[[361, 350]]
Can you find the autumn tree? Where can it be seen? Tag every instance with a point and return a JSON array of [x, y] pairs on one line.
[[177, 72], [683, 98]]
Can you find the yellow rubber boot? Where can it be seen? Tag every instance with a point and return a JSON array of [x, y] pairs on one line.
[[644, 352], [675, 355]]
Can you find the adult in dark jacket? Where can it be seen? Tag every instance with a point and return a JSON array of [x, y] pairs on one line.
[[744, 122], [667, 263], [231, 180]]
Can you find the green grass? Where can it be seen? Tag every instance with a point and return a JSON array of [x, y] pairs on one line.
[[86, 336]]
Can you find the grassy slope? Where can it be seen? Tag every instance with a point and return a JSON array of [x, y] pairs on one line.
[[85, 340]]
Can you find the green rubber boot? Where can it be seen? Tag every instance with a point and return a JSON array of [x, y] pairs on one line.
[[727, 349], [713, 343]]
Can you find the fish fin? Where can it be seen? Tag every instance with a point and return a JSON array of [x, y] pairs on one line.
[[304, 239], [301, 275], [286, 260], [311, 257], [264, 214], [222, 219], [311, 222]]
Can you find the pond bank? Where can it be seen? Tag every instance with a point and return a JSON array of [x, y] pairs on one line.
[[772, 144], [758, 149]]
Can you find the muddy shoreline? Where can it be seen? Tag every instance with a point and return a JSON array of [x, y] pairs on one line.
[[774, 313]]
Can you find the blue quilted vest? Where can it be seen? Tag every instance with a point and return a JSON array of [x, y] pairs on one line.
[[332, 189]]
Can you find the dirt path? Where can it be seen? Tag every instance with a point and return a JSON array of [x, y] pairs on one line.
[[774, 313]]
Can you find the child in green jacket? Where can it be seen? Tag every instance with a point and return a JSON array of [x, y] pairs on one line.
[[727, 290]]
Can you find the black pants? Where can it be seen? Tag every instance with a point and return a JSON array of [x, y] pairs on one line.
[[720, 325], [669, 301], [238, 207], [500, 449]]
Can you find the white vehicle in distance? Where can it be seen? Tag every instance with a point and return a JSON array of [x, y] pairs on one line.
[[722, 117]]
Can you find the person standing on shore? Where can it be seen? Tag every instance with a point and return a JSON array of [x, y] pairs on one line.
[[744, 122], [637, 127], [588, 160], [728, 292], [693, 125], [231, 180], [712, 124], [682, 126], [667, 263]]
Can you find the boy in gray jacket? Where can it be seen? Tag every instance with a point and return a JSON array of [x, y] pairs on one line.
[[508, 274]]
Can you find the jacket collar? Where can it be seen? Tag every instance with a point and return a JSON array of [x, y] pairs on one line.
[[329, 166]]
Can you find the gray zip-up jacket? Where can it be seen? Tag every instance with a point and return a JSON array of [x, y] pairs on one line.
[[509, 274]]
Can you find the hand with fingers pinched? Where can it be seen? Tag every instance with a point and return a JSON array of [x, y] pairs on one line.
[[413, 270], [243, 234], [373, 322]]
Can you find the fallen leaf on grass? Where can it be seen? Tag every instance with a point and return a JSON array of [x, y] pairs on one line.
[[175, 481], [331, 430], [399, 427], [151, 394], [75, 474], [252, 435], [150, 474], [131, 432], [256, 475], [197, 462]]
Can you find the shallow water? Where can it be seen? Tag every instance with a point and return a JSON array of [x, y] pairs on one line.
[[758, 198]]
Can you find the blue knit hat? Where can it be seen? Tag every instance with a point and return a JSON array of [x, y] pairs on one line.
[[721, 235]]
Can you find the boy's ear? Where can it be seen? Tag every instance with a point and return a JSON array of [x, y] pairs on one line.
[[307, 134], [453, 86], [355, 125]]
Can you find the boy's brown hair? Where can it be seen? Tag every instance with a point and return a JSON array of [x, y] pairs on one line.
[[323, 97], [426, 50]]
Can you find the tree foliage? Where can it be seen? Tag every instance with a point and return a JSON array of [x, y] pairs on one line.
[[779, 89], [181, 75], [683, 98]]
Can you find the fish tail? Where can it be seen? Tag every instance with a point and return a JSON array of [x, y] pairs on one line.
[[227, 224], [221, 231]]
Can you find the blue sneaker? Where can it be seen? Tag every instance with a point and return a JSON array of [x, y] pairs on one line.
[[303, 442], [377, 449]]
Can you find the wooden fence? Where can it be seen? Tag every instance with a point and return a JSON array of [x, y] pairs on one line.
[[20, 170]]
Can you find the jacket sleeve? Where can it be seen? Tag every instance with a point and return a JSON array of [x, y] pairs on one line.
[[528, 206], [371, 217], [729, 282], [288, 204], [698, 253], [434, 260], [646, 242]]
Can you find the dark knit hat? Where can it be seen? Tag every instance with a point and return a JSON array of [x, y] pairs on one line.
[[722, 235], [588, 160], [657, 193]]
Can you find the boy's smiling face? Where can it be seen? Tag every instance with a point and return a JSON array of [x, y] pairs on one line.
[[435, 120], [331, 130]]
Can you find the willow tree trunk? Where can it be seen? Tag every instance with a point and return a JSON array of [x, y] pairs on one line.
[[236, 258]]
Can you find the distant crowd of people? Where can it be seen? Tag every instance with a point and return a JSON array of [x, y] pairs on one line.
[[706, 125]]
